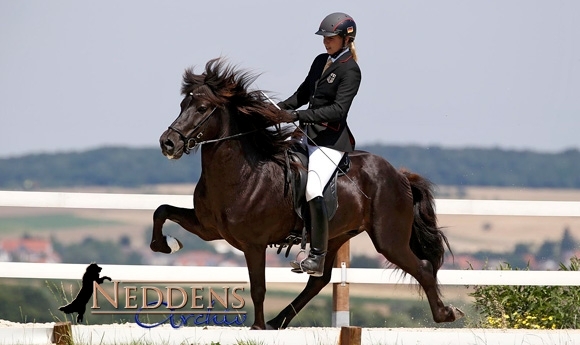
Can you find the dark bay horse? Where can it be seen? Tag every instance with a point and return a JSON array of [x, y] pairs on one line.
[[241, 197]]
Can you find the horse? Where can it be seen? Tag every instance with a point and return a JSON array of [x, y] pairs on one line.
[[242, 195]]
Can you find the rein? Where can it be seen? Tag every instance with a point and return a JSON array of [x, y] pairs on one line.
[[192, 142]]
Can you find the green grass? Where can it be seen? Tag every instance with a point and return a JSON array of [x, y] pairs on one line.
[[49, 222]]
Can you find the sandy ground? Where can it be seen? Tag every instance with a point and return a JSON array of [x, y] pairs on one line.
[[41, 333]]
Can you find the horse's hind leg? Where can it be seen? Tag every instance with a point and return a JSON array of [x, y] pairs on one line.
[[394, 245], [422, 271], [183, 216], [313, 287]]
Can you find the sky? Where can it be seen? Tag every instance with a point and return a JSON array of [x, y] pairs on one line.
[[77, 75]]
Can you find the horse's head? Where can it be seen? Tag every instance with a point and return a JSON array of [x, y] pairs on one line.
[[192, 126], [217, 106], [201, 110]]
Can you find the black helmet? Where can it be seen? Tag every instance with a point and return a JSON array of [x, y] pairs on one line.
[[337, 24]]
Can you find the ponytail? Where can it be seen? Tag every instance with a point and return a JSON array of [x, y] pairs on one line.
[[352, 50]]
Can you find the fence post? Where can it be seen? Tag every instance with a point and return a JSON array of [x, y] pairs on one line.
[[62, 333], [350, 336], [340, 291]]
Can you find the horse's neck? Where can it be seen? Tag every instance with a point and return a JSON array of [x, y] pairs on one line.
[[230, 185], [225, 162]]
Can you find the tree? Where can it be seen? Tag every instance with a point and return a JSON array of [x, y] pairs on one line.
[[363, 261], [548, 251], [568, 243], [522, 249]]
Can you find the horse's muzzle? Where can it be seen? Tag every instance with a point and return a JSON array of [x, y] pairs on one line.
[[171, 144]]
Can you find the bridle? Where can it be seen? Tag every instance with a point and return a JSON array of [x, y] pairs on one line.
[[192, 140]]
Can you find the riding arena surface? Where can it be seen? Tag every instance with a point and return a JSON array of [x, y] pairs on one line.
[[12, 333]]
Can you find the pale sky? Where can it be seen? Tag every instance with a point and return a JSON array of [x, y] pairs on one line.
[[77, 75]]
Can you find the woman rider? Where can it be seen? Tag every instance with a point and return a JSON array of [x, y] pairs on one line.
[[329, 89]]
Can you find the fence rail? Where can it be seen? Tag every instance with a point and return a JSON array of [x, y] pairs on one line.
[[189, 274], [274, 274], [340, 276], [152, 201]]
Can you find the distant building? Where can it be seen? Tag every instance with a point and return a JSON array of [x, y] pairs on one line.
[[28, 249], [464, 262]]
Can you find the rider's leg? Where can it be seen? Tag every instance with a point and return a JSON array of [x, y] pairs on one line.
[[321, 167], [314, 263]]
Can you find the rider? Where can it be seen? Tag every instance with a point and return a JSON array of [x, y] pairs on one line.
[[329, 89]]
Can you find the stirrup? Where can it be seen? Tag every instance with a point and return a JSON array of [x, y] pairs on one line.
[[297, 265]]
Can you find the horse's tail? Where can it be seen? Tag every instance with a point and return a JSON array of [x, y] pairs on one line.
[[428, 242]]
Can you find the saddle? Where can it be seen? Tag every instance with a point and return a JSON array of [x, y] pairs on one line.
[[295, 182]]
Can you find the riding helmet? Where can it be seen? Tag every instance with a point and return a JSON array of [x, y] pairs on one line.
[[337, 24]]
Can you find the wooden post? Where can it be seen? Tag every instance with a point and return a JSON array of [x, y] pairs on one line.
[[350, 336], [340, 291], [62, 334]]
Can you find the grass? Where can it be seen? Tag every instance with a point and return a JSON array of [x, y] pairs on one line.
[[37, 223]]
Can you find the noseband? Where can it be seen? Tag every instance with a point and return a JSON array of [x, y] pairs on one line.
[[192, 141]]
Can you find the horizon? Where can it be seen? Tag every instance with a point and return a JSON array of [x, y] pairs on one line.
[[364, 147]]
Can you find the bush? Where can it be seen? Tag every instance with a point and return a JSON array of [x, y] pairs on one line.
[[25, 303], [529, 307]]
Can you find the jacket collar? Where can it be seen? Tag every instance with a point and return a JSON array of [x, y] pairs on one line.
[[341, 59]]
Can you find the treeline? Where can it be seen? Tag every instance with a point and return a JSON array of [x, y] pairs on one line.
[[487, 167], [107, 166], [131, 167]]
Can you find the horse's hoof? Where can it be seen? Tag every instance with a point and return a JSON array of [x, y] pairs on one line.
[[173, 244], [456, 312], [168, 246], [157, 247], [274, 325]]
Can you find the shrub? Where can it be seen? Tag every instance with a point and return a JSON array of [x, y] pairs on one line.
[[529, 307]]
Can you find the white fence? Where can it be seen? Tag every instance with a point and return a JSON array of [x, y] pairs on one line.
[[281, 275], [42, 334], [152, 201], [190, 274]]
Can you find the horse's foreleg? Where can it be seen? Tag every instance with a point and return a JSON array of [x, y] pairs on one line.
[[158, 240], [313, 287], [185, 217], [256, 262]]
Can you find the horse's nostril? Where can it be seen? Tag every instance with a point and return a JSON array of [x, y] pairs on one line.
[[168, 144]]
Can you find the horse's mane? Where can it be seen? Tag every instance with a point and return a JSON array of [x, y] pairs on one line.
[[226, 86]]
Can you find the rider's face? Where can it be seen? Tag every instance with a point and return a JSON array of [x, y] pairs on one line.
[[332, 43]]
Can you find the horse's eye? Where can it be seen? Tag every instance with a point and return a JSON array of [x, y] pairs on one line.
[[201, 109]]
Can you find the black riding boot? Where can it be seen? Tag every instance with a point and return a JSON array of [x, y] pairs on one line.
[[314, 263]]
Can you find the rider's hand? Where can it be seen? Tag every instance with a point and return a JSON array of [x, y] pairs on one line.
[[293, 115]]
